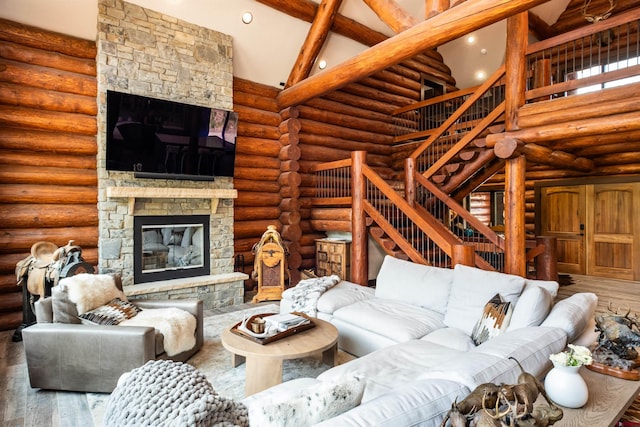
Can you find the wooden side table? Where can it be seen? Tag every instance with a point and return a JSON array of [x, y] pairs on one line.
[[264, 362], [333, 257], [609, 398]]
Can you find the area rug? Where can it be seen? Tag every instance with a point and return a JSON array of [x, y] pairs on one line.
[[214, 361]]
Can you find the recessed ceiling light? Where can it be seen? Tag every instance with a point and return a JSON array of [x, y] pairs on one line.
[[471, 39], [480, 75], [322, 64], [247, 17]]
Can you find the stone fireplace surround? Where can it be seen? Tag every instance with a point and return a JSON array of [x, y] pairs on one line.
[[144, 52]]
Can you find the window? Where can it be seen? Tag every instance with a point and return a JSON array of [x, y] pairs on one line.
[[599, 69]]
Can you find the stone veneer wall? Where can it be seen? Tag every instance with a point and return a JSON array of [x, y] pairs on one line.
[[148, 53]]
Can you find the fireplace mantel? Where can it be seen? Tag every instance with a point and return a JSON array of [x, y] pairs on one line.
[[133, 193]]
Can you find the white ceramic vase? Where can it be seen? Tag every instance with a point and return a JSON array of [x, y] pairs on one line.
[[566, 387]]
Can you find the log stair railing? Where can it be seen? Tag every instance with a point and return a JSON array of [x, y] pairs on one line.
[[458, 128]]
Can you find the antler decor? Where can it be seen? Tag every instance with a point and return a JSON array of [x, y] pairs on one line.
[[491, 405], [600, 17]]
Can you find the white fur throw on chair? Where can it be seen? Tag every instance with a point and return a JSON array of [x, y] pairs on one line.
[[177, 326], [89, 291]]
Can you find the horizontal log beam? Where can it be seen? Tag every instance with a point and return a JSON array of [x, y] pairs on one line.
[[593, 126], [449, 25]]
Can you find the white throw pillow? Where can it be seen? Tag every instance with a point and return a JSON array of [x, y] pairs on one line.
[[311, 406], [470, 291], [548, 285], [573, 314], [532, 308], [414, 283]]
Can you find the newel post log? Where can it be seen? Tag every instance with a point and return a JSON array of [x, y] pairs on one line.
[[463, 254], [360, 241], [547, 262]]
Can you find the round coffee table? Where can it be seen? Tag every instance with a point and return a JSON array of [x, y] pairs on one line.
[[264, 362]]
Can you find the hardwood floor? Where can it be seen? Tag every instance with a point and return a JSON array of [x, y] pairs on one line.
[[20, 405], [622, 294]]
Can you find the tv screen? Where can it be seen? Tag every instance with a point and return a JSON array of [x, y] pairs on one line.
[[165, 139]]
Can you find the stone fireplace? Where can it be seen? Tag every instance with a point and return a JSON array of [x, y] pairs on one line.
[[147, 53]]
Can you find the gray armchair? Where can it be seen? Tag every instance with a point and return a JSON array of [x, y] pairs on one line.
[[91, 358]]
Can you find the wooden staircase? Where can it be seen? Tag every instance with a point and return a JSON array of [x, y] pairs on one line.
[[464, 143]]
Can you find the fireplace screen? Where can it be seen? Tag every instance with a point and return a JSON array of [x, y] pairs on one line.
[[170, 247]]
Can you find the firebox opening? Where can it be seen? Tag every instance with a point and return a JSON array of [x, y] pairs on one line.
[[170, 247]]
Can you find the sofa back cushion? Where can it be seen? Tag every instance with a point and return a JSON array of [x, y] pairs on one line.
[[470, 291], [414, 283]]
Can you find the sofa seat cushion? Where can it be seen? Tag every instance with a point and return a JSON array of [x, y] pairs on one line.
[[418, 403], [531, 347], [451, 337], [470, 291], [392, 319], [413, 283], [384, 369]]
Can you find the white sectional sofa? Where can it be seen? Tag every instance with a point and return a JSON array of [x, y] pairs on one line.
[[413, 336]]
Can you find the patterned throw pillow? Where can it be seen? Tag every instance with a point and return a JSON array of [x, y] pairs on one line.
[[112, 313], [495, 320]]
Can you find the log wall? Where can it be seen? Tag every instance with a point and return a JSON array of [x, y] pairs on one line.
[[48, 179], [356, 117], [257, 169]]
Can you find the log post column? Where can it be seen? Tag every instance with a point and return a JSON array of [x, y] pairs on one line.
[[514, 206], [359, 239], [547, 262], [289, 181]]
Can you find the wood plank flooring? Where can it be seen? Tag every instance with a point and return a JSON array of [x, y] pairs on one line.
[[20, 405]]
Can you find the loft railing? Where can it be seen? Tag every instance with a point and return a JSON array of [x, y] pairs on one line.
[[604, 54], [458, 119]]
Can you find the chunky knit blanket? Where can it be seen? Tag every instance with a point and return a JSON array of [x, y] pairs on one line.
[[165, 393], [305, 294]]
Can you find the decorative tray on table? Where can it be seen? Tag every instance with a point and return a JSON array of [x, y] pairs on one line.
[[276, 328]]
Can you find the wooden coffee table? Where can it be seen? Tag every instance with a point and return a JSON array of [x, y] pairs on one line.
[[609, 398], [264, 362]]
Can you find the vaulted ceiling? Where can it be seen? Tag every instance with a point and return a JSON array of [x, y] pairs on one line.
[[265, 51]]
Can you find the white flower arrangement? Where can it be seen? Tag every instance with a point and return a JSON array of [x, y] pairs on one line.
[[577, 355]]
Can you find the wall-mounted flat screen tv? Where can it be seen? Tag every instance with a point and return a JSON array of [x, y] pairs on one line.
[[156, 138]]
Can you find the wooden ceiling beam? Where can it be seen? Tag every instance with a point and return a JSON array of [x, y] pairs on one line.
[[449, 25], [392, 14], [316, 37], [539, 28], [306, 10], [435, 7]]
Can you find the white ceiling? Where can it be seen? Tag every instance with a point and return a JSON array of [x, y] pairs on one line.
[[265, 50]]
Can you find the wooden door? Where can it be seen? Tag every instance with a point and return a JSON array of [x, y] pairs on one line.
[[563, 217], [613, 230]]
